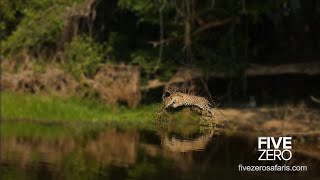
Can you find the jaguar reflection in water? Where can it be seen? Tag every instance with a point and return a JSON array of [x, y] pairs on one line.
[[120, 154]]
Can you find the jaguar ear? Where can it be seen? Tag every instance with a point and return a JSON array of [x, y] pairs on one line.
[[166, 94]]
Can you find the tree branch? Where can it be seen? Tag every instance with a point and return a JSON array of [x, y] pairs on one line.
[[163, 41], [210, 25], [315, 99], [205, 26], [186, 74]]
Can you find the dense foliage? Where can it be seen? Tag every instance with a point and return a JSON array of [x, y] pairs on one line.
[[160, 35], [32, 26], [83, 55]]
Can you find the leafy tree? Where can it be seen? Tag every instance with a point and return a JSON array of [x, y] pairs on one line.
[[83, 56], [36, 25], [159, 35]]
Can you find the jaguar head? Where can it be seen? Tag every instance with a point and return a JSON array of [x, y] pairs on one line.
[[172, 100]]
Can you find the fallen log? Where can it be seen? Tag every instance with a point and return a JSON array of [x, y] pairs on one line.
[[187, 74], [311, 68]]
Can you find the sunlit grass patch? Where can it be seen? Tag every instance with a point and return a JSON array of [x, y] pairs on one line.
[[17, 106]]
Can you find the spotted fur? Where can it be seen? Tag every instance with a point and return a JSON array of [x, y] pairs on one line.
[[178, 99]]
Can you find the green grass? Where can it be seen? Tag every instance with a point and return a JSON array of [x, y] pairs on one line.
[[53, 117], [18, 106], [30, 129]]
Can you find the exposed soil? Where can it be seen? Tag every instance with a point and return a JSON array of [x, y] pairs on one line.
[[112, 84], [284, 120]]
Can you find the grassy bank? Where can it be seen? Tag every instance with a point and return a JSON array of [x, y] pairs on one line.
[[18, 106], [50, 116]]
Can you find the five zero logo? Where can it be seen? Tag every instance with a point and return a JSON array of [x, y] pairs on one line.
[[272, 148]]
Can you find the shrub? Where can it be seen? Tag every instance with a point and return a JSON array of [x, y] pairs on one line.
[[83, 56], [32, 27]]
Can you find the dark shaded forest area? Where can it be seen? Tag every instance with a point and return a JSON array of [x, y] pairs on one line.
[[159, 89], [238, 48]]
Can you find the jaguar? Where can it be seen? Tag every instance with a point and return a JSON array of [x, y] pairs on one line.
[[179, 99]]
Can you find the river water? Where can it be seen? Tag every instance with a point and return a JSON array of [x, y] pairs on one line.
[[37, 150]]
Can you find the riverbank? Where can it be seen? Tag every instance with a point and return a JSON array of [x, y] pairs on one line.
[[82, 113], [23, 106]]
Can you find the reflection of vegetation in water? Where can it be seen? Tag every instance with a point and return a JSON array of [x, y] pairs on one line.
[[184, 121], [151, 168], [87, 149], [27, 129], [109, 153], [51, 131], [77, 166], [191, 133], [69, 154]]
